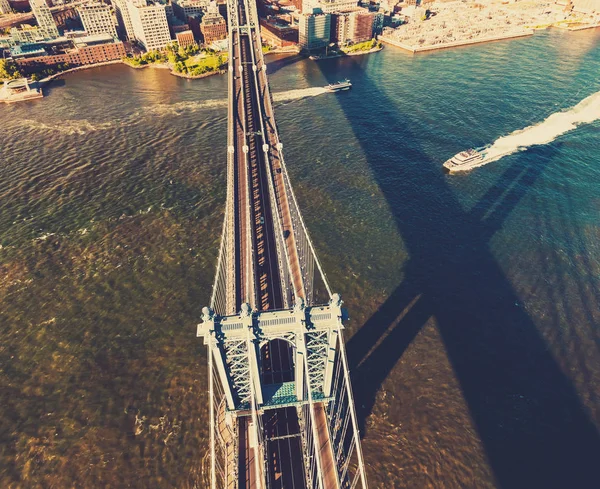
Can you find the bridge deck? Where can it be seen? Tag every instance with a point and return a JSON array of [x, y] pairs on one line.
[[281, 195]]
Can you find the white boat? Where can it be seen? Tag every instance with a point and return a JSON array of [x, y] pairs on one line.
[[341, 85], [466, 160]]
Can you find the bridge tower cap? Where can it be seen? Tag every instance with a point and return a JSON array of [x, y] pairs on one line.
[[245, 148], [279, 146], [253, 67], [246, 310], [207, 314], [265, 148]]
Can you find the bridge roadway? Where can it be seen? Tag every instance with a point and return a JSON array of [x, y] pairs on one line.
[[258, 276], [259, 254]]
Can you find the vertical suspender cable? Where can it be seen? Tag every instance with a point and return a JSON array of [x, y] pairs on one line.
[[213, 475]]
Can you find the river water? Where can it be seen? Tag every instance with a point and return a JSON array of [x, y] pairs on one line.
[[474, 299]]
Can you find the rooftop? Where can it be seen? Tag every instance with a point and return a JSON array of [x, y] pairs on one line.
[[95, 39], [24, 50]]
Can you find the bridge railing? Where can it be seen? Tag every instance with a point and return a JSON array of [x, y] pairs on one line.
[[223, 434], [343, 425]]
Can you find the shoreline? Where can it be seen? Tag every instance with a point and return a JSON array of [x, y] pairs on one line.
[[48, 79], [467, 42], [343, 55], [155, 66]]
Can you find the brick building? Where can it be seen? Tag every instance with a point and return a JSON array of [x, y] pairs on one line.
[[213, 25], [277, 33], [76, 52], [185, 38]]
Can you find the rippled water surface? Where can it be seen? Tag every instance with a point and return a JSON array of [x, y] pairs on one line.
[[474, 299]]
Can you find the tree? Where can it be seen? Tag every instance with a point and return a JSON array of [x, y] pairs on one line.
[[9, 70]]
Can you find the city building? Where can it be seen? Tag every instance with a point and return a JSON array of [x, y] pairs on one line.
[[328, 6], [75, 52], [150, 26], [314, 30], [44, 31], [185, 38], [44, 18], [124, 18], [184, 9], [378, 20], [180, 27], [213, 25], [97, 18], [278, 33], [352, 27], [5, 7]]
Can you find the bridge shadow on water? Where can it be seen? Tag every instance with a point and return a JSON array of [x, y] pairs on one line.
[[282, 60], [534, 429]]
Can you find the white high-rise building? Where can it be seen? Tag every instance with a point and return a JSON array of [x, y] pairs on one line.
[[123, 16], [5, 7], [150, 25], [44, 18], [97, 19], [314, 30]]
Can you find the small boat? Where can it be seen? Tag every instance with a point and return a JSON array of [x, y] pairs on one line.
[[466, 160], [341, 85]]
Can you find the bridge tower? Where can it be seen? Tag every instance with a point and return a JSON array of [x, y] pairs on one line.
[[281, 407]]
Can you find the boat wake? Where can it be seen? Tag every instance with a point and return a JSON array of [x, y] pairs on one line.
[[557, 124], [67, 127], [81, 127], [298, 94]]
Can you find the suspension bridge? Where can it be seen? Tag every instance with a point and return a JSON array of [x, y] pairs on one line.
[[281, 408]]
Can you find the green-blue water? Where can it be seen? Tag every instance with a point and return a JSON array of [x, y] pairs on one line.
[[474, 299]]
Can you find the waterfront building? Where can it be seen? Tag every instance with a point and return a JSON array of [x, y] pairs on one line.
[[75, 52], [44, 18], [352, 27], [213, 25], [314, 30], [278, 33], [150, 26], [185, 38], [97, 18], [5, 7]]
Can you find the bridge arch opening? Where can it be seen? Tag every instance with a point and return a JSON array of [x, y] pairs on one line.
[[277, 361]]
